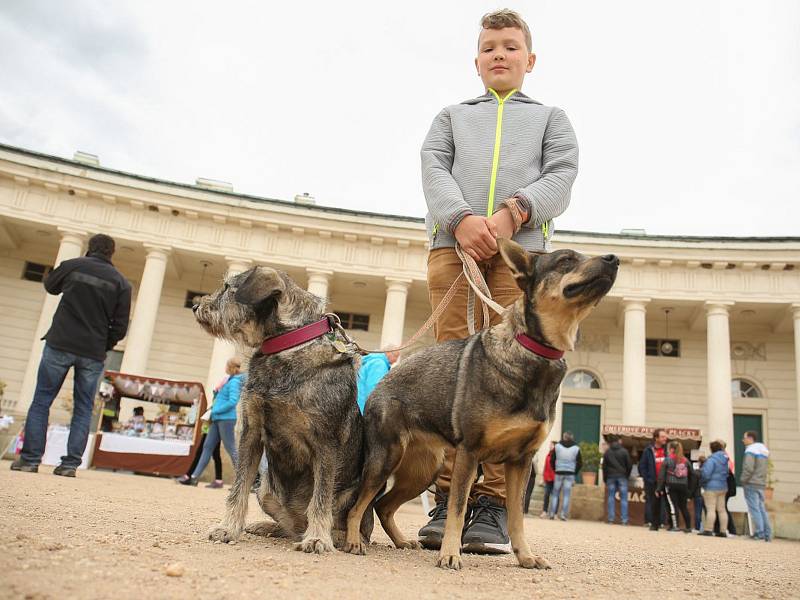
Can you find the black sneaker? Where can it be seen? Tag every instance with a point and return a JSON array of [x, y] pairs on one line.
[[721, 534], [705, 533], [64, 471], [430, 536], [191, 481], [21, 465], [487, 529]]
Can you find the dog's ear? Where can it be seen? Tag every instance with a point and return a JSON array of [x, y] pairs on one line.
[[262, 283], [519, 260]]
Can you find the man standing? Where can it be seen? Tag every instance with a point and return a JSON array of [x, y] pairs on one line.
[[649, 467], [91, 318], [566, 461], [754, 480], [617, 468]]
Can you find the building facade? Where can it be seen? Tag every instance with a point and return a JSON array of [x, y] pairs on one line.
[[697, 332]]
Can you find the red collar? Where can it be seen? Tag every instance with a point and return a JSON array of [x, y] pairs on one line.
[[293, 338], [531, 344]]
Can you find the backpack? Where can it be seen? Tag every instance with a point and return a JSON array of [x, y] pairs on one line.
[[680, 470]]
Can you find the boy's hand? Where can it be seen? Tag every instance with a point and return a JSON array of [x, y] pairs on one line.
[[477, 237], [504, 224]]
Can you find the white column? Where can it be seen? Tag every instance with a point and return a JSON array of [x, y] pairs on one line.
[[634, 386], [143, 321], [222, 350], [394, 314], [796, 319], [71, 246], [319, 281], [720, 399]]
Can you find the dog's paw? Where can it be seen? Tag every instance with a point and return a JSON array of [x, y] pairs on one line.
[[223, 534], [449, 561], [314, 545], [355, 548], [408, 545], [262, 528], [533, 562]]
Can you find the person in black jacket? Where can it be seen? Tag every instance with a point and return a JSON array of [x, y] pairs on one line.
[[617, 468], [91, 318], [655, 513]]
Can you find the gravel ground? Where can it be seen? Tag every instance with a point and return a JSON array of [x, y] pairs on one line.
[[111, 535]]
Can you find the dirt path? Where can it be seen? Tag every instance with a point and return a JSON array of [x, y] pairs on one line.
[[107, 535]]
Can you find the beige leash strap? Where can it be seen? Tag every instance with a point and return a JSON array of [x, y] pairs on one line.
[[476, 282]]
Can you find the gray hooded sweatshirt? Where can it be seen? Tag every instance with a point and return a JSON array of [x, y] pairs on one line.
[[482, 151]]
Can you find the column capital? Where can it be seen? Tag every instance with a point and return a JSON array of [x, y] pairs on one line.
[[326, 273], [397, 283], [633, 303], [238, 264], [718, 307], [795, 308], [78, 234], [157, 250]]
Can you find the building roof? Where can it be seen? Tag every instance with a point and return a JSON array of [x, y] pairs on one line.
[[347, 211]]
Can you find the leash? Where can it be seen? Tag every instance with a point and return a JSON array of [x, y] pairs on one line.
[[477, 286]]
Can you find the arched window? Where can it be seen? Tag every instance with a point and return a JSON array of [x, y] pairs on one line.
[[741, 388], [581, 380]]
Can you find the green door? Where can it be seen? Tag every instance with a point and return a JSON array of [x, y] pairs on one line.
[[583, 420], [742, 423]]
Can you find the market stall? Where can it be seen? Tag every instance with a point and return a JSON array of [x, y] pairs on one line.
[[635, 439], [149, 425]]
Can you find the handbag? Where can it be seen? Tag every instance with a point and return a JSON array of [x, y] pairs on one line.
[[731, 484]]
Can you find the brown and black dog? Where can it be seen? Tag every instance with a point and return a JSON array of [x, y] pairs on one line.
[[487, 396]]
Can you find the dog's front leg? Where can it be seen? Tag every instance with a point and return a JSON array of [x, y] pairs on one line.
[[516, 477], [465, 466], [317, 537], [249, 450]]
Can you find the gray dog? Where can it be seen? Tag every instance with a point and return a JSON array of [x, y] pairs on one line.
[[298, 404], [491, 396]]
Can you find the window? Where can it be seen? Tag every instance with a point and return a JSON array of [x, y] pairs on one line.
[[581, 380], [741, 388], [35, 272], [193, 298], [354, 321], [670, 348]]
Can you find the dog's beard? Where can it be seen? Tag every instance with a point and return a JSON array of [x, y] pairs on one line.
[[230, 321]]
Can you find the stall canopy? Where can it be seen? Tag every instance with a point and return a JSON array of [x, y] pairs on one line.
[[636, 437]]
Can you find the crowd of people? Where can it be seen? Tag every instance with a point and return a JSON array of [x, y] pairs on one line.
[[671, 480]]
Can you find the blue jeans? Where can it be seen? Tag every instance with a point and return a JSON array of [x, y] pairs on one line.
[[698, 513], [562, 482], [754, 497], [217, 430], [53, 369], [614, 485]]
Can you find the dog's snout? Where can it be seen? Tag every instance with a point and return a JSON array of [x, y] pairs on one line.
[[611, 259]]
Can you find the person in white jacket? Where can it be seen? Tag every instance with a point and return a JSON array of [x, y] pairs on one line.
[[754, 479]]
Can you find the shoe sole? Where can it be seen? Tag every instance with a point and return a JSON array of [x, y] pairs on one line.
[[19, 470], [431, 542], [486, 548], [67, 474]]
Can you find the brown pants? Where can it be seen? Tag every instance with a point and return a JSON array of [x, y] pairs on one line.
[[715, 505], [443, 268]]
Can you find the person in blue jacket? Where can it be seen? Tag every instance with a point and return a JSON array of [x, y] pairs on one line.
[[714, 479], [223, 420], [373, 368]]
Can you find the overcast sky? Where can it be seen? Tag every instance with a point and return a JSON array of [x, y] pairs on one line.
[[687, 112]]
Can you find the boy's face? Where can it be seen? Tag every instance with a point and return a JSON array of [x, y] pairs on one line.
[[503, 58]]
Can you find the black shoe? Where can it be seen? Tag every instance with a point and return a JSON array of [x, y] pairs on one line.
[[21, 465], [705, 533], [487, 530], [721, 534], [64, 471], [193, 481], [653, 528], [430, 536]]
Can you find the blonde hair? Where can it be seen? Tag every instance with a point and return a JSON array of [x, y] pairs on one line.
[[234, 363], [505, 17]]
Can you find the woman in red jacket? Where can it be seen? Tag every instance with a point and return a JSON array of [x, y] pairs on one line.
[[549, 477]]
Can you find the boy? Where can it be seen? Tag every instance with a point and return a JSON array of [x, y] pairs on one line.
[[500, 165]]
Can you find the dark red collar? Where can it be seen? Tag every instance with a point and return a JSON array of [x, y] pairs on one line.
[[531, 344], [293, 338]]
